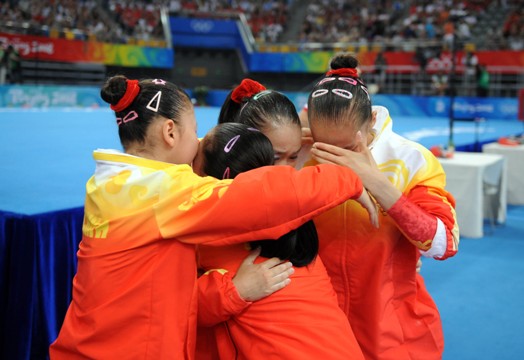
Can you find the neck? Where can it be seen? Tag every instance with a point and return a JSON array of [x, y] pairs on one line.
[[370, 137], [141, 151]]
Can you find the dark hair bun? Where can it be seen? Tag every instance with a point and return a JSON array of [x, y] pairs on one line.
[[114, 89], [343, 61]]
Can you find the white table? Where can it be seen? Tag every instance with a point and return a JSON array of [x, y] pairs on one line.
[[467, 175], [515, 169]]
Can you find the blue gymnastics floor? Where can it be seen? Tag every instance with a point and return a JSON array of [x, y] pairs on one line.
[[46, 154], [46, 159]]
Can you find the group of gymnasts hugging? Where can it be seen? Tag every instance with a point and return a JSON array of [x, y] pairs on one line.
[[281, 234]]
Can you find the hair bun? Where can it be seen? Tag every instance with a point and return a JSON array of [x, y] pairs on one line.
[[132, 91], [246, 90], [342, 61], [114, 89]]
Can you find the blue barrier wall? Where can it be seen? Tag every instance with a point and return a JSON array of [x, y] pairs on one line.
[[406, 105], [437, 106], [42, 96], [399, 105], [205, 33]]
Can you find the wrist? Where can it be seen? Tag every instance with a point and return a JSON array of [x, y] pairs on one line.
[[236, 295], [383, 191], [237, 287]]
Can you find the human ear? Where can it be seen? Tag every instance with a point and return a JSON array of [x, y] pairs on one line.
[[373, 118], [169, 132]]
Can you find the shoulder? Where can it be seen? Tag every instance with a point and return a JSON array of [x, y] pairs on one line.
[[409, 158], [409, 150]]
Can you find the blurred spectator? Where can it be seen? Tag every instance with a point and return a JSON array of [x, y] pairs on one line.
[[268, 20], [470, 62], [421, 57], [140, 20], [88, 19], [463, 31], [357, 21], [365, 22], [440, 83], [449, 35], [482, 81], [381, 65], [513, 30], [3, 63], [11, 57], [429, 28]]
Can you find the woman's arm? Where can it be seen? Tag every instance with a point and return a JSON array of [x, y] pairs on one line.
[[361, 161], [218, 299], [221, 296], [264, 203], [425, 216]]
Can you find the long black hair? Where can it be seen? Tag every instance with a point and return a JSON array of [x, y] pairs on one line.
[[300, 246], [232, 148]]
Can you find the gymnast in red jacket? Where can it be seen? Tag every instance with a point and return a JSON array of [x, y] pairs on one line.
[[303, 320]]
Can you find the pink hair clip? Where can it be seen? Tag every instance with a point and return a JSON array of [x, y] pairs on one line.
[[226, 173], [348, 80], [342, 92], [319, 92], [366, 91], [130, 116], [159, 82], [231, 143], [327, 79]]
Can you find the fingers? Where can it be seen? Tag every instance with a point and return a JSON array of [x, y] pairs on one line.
[[275, 267], [280, 285], [373, 212], [250, 259], [278, 272], [270, 263], [362, 145], [284, 268], [279, 276], [307, 141], [324, 157], [331, 149], [373, 216], [367, 202], [307, 138], [272, 278], [256, 281], [319, 159], [306, 132]]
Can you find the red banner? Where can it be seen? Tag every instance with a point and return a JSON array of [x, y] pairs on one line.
[[64, 50], [504, 61], [43, 48]]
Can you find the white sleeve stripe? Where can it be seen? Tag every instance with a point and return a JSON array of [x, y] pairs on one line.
[[439, 244]]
